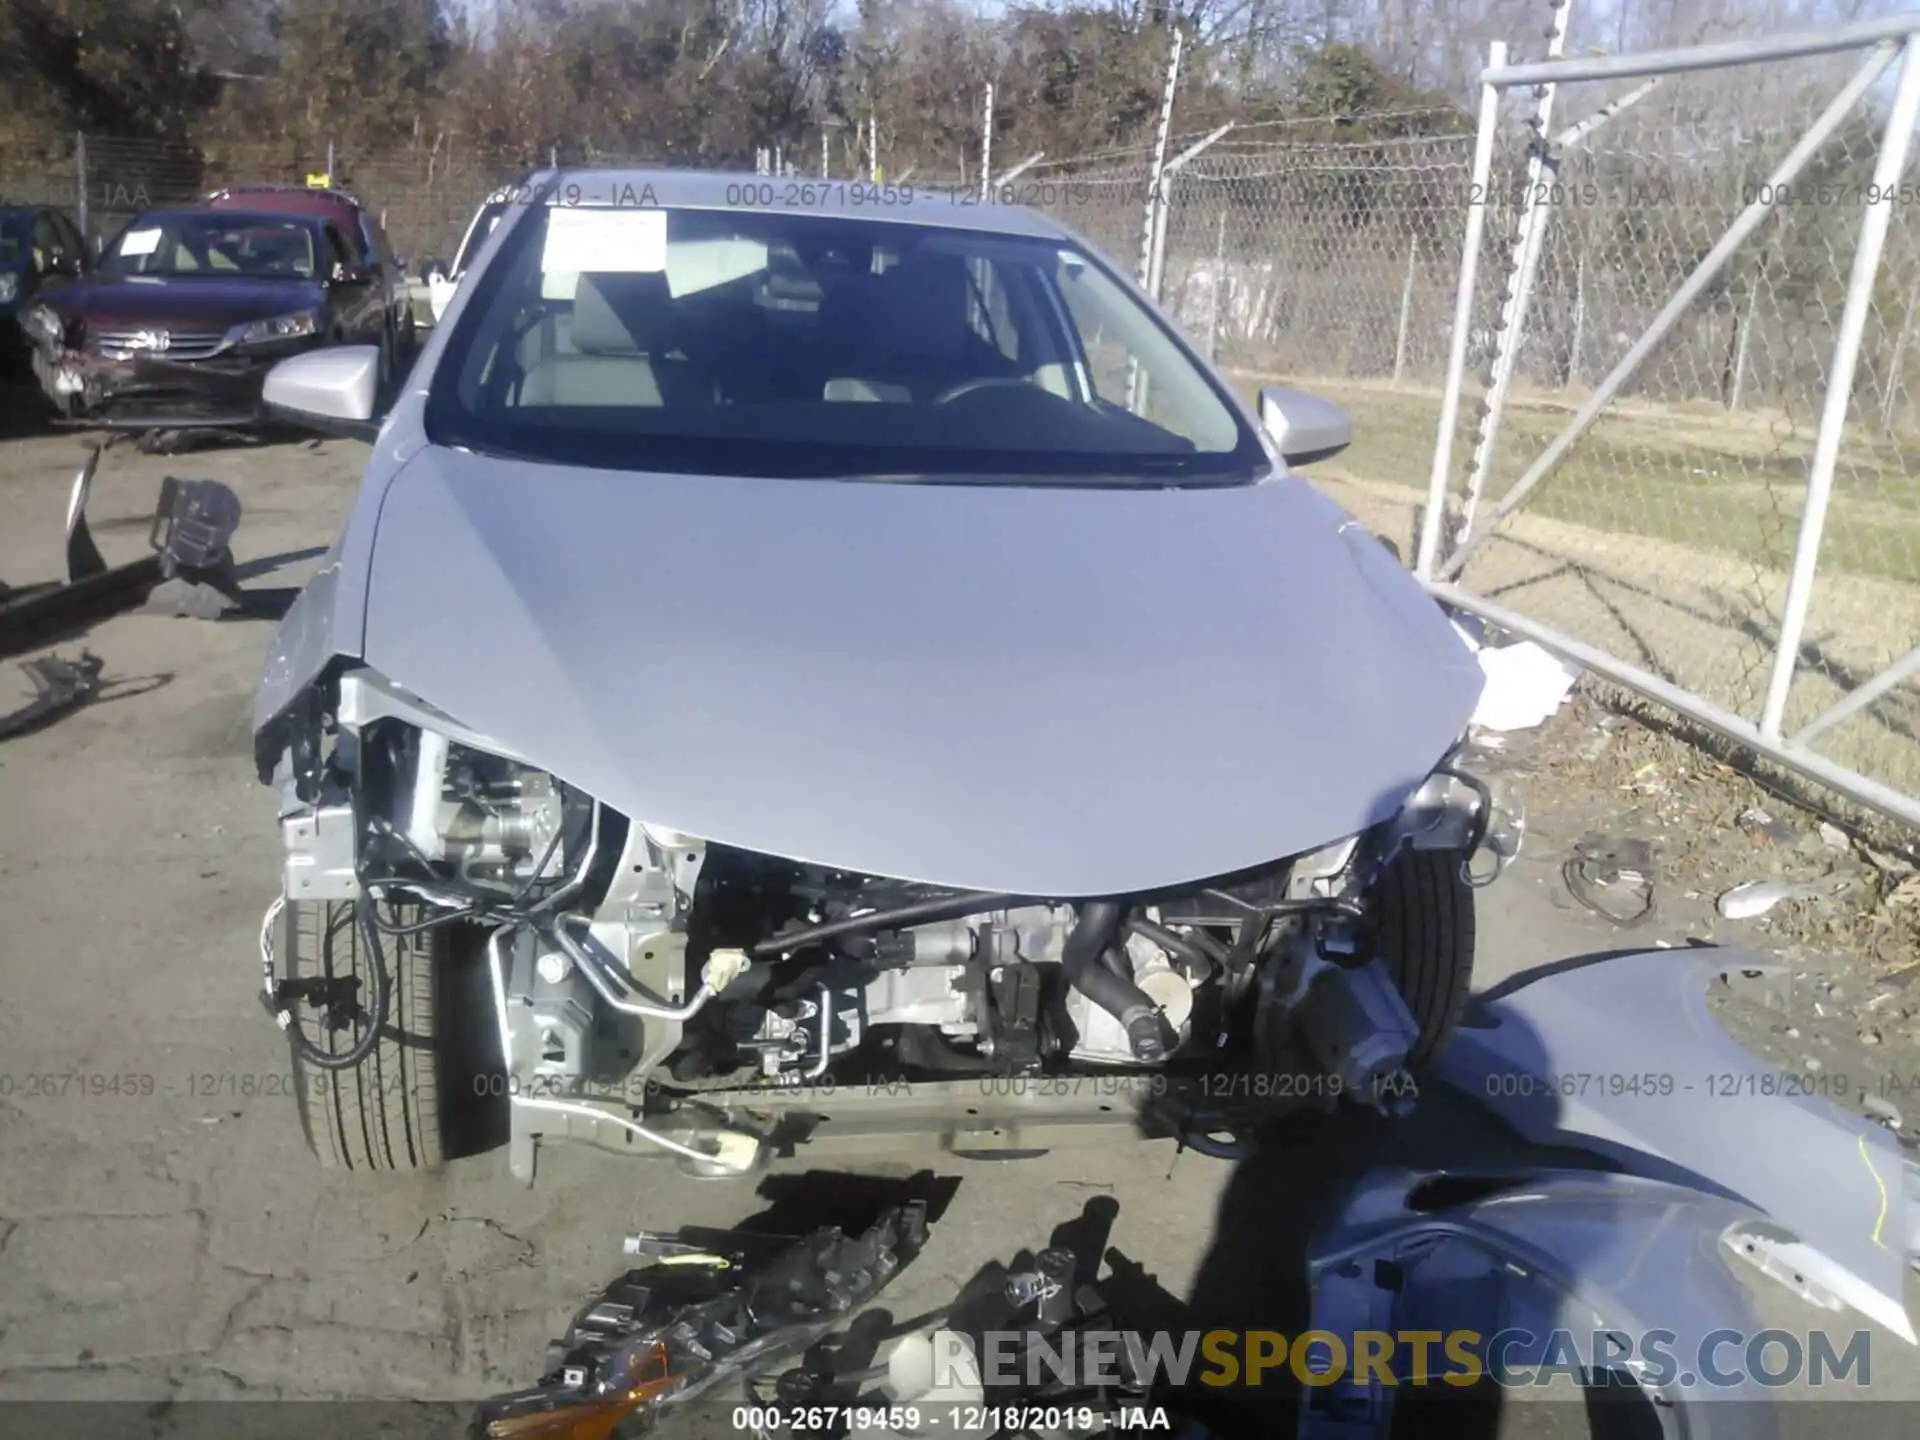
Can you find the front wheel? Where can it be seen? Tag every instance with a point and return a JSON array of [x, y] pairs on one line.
[[1424, 911], [416, 1099], [383, 371]]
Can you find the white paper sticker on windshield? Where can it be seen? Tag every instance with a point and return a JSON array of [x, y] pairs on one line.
[[140, 242], [628, 242]]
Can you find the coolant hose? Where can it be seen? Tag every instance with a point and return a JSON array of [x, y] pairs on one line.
[[1148, 1034]]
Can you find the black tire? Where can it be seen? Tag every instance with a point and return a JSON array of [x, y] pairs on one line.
[[383, 375], [398, 1108], [1424, 911]]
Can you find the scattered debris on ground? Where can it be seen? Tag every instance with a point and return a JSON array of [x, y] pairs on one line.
[[695, 1314], [1714, 829], [58, 685]]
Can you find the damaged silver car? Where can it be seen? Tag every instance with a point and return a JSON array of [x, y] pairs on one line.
[[838, 663]]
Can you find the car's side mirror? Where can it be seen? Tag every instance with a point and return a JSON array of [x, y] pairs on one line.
[[334, 391], [351, 274], [1305, 427]]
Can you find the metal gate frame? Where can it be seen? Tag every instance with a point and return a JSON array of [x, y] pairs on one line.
[[1887, 40]]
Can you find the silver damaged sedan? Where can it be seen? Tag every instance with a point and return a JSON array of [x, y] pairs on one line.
[[810, 663]]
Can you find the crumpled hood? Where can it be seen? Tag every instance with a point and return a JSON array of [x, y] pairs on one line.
[[1059, 692]]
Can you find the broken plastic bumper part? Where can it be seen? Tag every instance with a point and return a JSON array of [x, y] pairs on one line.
[[693, 1316]]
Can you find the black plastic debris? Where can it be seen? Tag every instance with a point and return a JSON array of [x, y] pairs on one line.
[[193, 523], [59, 685], [1612, 877], [696, 1314]]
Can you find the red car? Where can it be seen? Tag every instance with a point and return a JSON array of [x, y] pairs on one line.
[[355, 221], [185, 311]]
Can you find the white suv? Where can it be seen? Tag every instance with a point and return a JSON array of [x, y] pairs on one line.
[[442, 281]]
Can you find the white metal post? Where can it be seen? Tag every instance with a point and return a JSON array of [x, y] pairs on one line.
[[1154, 198], [1896, 674], [986, 144], [1740, 347], [1578, 134], [1406, 312], [1157, 265], [1890, 401], [1156, 203], [1017, 171], [1434, 514], [1220, 284], [1833, 40], [1888, 167], [80, 182], [1528, 242], [1579, 317]]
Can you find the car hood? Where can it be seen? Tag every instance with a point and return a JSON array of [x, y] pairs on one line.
[[1050, 691], [184, 301]]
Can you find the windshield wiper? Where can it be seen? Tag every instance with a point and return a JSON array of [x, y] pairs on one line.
[[1109, 480]]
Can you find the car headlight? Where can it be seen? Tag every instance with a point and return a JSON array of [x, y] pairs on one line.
[[9, 287], [44, 326], [277, 327]]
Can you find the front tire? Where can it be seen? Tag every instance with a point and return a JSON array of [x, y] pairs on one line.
[[407, 1105], [1424, 910], [383, 372]]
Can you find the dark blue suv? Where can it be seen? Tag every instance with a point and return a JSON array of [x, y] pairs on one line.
[[41, 253]]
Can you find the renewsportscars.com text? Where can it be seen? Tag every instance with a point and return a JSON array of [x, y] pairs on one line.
[[1723, 1358]]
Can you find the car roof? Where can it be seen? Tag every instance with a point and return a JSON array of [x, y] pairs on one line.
[[945, 205], [284, 199], [225, 213], [282, 187]]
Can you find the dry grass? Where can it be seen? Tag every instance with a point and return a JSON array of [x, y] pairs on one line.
[[1666, 536]]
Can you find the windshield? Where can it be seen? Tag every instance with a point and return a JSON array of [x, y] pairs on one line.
[[213, 244], [784, 344]]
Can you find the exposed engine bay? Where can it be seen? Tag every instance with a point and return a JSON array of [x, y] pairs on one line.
[[653, 987]]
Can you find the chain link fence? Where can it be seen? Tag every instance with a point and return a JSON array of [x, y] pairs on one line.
[[1322, 262], [1662, 529]]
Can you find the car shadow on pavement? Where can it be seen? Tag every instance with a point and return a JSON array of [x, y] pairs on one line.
[[23, 413], [799, 1203]]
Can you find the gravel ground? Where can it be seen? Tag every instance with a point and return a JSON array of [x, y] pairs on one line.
[[164, 1234]]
